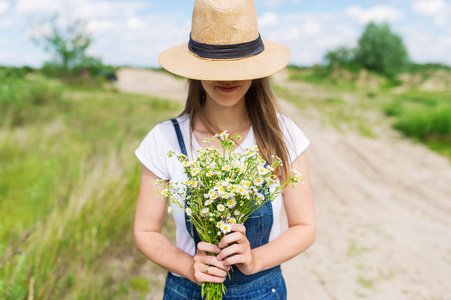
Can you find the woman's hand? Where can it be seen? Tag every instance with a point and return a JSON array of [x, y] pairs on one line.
[[239, 252], [206, 267]]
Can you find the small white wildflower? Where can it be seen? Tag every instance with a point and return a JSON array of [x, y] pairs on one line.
[[260, 196], [262, 170], [170, 210], [221, 191], [226, 168], [226, 228], [219, 224], [232, 221], [220, 207], [204, 212], [236, 212], [236, 163], [208, 202], [188, 211], [241, 190], [246, 183], [186, 163], [223, 135], [258, 181], [231, 203], [243, 169]]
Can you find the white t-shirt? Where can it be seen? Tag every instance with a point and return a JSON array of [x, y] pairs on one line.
[[162, 138]]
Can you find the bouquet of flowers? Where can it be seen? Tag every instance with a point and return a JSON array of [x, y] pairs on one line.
[[223, 188]]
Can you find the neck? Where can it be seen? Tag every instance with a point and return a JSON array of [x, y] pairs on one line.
[[232, 118]]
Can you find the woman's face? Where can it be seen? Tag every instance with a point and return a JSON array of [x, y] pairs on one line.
[[226, 93]]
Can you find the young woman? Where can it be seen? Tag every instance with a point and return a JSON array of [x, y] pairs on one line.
[[227, 65]]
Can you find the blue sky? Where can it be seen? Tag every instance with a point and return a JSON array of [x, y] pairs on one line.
[[135, 32]]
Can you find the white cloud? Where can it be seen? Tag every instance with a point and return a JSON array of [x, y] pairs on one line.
[[329, 42], [134, 23], [312, 28], [269, 19], [37, 6], [379, 13], [97, 26], [439, 10], [4, 6]]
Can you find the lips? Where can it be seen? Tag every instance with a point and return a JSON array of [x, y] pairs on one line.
[[228, 89]]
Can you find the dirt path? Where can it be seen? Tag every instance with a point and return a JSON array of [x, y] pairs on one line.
[[383, 209]]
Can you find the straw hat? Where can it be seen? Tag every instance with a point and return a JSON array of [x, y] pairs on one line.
[[225, 45]]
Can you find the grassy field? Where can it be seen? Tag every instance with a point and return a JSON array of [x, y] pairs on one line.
[[68, 186], [349, 102]]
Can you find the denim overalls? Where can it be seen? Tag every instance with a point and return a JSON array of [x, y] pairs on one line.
[[267, 284]]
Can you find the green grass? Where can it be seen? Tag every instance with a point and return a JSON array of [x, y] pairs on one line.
[[423, 116], [68, 186]]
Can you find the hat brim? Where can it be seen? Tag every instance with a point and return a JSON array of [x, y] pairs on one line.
[[181, 61]]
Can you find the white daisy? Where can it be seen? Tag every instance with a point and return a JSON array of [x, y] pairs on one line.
[[260, 196], [258, 181], [262, 170], [188, 211], [220, 207], [226, 228], [170, 210], [204, 212], [226, 168], [231, 203]]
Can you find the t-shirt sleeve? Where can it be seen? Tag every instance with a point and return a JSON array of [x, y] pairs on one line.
[[152, 153], [295, 138]]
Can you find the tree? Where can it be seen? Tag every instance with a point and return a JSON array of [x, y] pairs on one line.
[[67, 40], [381, 50], [342, 56]]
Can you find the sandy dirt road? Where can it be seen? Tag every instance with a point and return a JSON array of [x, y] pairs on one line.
[[383, 209]]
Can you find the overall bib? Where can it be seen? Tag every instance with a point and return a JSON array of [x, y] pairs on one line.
[[267, 284]]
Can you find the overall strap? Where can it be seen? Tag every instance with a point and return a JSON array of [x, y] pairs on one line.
[[189, 225], [179, 136]]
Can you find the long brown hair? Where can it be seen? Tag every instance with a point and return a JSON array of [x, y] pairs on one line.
[[262, 109]]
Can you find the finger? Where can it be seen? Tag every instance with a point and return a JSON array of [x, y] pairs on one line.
[[231, 250], [202, 277], [214, 271], [235, 259], [239, 228], [207, 247], [213, 261], [232, 238]]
